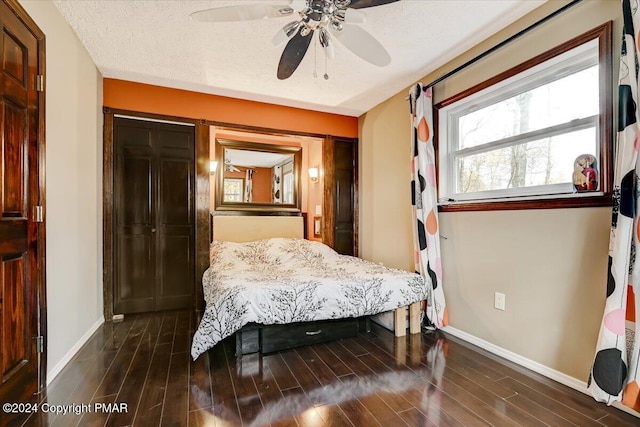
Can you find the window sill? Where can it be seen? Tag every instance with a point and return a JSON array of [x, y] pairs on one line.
[[521, 204]]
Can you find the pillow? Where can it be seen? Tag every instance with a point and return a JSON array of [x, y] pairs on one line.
[[284, 250]]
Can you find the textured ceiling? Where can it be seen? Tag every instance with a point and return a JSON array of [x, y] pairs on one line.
[[155, 42], [250, 158]]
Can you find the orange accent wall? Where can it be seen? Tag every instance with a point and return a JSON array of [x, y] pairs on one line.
[[126, 95], [261, 185], [631, 305]]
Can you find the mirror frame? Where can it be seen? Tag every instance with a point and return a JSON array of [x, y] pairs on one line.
[[221, 205]]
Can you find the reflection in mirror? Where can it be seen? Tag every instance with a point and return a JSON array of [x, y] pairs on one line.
[[257, 176]]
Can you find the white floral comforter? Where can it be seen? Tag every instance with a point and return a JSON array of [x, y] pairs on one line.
[[293, 280]]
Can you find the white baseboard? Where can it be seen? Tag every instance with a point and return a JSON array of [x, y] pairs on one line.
[[53, 373], [558, 376]]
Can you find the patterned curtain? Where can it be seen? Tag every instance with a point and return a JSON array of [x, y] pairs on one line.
[[615, 375], [248, 186], [277, 172], [424, 197]]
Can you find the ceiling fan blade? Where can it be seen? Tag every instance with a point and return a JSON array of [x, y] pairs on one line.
[[298, 4], [293, 53], [246, 12], [361, 4], [363, 44], [353, 16]]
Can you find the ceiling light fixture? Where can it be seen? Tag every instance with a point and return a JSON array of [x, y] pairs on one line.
[[339, 19]]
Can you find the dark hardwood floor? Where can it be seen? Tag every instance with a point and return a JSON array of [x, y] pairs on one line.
[[371, 380]]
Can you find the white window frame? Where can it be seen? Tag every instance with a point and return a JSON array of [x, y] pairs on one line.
[[578, 58], [224, 195], [287, 188]]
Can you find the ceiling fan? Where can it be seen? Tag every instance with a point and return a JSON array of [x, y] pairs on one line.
[[337, 19]]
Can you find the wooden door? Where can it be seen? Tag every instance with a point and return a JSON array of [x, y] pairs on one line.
[[21, 235], [154, 262], [340, 199], [344, 197]]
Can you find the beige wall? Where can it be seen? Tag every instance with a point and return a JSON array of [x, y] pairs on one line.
[[385, 197], [551, 264], [73, 186], [315, 189]]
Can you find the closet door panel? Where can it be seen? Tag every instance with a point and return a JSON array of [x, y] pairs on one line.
[[134, 259], [344, 198], [154, 215]]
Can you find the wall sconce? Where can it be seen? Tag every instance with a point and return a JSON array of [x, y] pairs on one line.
[[213, 165], [313, 174]]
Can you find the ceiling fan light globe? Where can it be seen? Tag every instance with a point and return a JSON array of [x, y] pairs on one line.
[[326, 43], [323, 37], [286, 33], [336, 25], [291, 28]]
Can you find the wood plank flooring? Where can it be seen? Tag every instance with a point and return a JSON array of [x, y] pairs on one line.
[[374, 379]]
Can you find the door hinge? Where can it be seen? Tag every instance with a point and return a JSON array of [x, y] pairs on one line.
[[38, 214], [39, 344], [40, 83]]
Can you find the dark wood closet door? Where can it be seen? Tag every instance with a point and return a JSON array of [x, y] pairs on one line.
[[20, 244], [154, 216], [175, 219], [344, 193]]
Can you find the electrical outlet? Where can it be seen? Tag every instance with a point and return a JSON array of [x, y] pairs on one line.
[[500, 301]]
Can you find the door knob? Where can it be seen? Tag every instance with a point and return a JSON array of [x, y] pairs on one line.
[[153, 230]]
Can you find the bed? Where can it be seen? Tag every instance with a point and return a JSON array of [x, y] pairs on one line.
[[303, 289]]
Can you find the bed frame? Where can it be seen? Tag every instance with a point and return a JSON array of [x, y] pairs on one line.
[[269, 338], [254, 338]]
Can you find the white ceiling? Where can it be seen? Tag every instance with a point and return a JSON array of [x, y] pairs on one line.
[[256, 159], [155, 42]]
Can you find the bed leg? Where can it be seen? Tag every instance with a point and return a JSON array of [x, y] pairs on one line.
[[400, 322], [414, 318]]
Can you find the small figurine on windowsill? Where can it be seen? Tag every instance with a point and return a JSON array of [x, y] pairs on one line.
[[585, 173]]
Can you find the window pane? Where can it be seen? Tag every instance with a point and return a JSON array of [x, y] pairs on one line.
[[288, 187], [543, 162], [572, 97], [233, 190]]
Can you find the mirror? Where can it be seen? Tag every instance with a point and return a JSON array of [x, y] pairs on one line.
[[257, 177]]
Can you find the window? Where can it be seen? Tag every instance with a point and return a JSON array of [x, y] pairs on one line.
[[288, 187], [233, 189], [517, 136]]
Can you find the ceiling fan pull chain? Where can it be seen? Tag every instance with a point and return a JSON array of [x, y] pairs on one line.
[[326, 62], [315, 57]]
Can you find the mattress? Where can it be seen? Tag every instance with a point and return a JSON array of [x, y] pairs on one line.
[[280, 280]]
